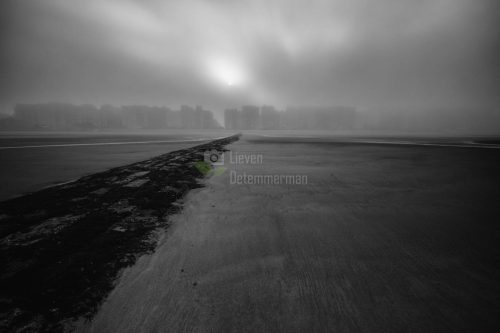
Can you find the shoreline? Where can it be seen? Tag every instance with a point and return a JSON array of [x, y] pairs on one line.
[[63, 247]]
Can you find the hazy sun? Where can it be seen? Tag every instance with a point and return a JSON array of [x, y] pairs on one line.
[[226, 72]]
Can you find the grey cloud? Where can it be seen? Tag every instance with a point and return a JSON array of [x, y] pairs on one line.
[[362, 53]]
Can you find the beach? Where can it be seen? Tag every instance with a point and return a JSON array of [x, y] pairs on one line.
[[379, 237]]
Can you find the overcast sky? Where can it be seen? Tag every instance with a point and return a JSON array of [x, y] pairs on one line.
[[222, 53]]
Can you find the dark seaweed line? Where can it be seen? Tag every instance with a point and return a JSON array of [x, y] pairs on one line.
[[63, 247]]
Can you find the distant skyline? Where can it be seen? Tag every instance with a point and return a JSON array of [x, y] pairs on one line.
[[222, 54]]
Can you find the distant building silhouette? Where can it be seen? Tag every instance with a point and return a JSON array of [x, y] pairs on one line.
[[110, 117], [187, 116], [249, 117], [59, 116], [197, 118], [269, 117], [307, 118], [232, 119], [68, 117]]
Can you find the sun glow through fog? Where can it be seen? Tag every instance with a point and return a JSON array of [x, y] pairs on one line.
[[226, 72]]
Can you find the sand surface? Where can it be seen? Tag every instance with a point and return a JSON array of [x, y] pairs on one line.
[[382, 238]]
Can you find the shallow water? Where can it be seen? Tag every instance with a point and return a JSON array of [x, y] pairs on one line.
[[32, 161]]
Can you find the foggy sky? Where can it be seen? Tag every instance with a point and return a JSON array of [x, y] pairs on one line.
[[384, 53]]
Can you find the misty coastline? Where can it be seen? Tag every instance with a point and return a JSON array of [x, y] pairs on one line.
[[61, 117], [249, 166]]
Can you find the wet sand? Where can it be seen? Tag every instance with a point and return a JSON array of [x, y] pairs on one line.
[[382, 238]]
